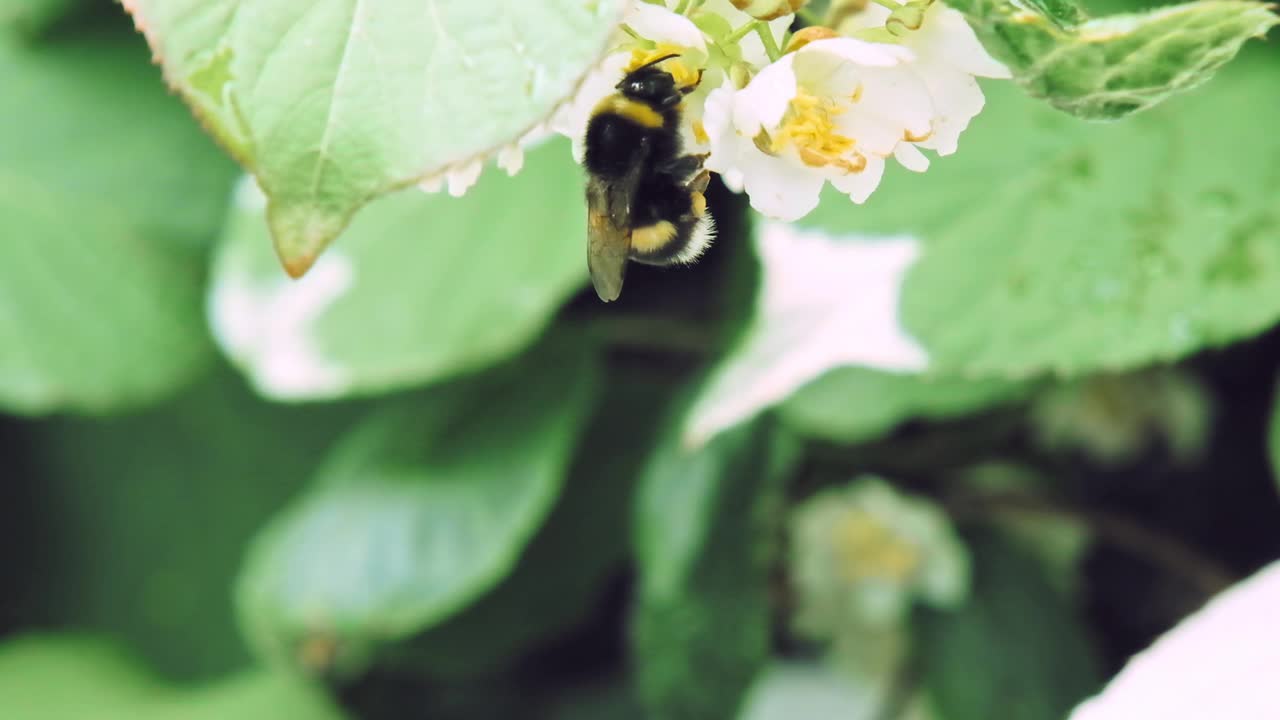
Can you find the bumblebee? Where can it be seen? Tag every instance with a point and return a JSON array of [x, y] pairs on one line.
[[645, 198]]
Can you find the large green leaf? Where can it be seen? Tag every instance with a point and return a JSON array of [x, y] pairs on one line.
[[421, 509], [1109, 67], [1015, 651], [143, 519], [850, 405], [1053, 245], [423, 286], [105, 191], [704, 536], [561, 573], [34, 16], [333, 103], [73, 678]]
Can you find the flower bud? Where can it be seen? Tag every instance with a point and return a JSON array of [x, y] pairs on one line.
[[769, 9]]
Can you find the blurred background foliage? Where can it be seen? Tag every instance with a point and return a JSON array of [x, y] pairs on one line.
[[438, 479]]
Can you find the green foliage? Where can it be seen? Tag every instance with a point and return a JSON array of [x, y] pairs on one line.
[[106, 189], [332, 105], [704, 536], [70, 678], [34, 16], [1106, 68], [167, 500], [454, 285], [1015, 650], [1089, 247], [423, 507], [530, 512], [850, 405], [563, 567]]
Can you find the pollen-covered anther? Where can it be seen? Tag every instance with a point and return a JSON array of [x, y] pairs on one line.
[[700, 132], [809, 127], [807, 35], [681, 72], [913, 138], [867, 549]]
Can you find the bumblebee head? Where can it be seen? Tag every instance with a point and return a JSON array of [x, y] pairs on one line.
[[650, 84]]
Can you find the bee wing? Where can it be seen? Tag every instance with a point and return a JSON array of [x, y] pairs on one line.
[[609, 233]]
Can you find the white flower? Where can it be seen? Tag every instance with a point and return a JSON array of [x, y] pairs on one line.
[[830, 111], [948, 57], [665, 32]]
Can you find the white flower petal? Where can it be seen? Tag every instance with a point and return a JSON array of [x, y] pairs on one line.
[[948, 39], [764, 100], [859, 186], [1220, 663], [958, 99], [860, 52], [911, 158], [656, 23], [779, 188]]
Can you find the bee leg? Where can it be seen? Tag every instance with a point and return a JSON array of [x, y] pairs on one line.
[[699, 182], [683, 167]]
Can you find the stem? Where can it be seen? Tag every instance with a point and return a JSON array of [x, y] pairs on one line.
[[875, 34], [683, 7], [887, 4], [741, 32], [766, 37], [627, 29], [1161, 550]]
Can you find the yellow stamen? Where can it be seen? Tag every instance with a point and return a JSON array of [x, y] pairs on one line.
[[684, 75], [866, 549], [700, 132], [808, 125]]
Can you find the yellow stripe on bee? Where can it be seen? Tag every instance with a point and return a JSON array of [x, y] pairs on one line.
[[637, 112], [652, 238], [699, 203]]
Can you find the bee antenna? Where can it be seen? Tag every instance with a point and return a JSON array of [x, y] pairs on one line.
[[651, 63]]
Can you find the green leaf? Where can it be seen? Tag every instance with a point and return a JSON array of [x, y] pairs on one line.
[[1106, 68], [424, 507], [331, 104], [1015, 651], [72, 677], [1091, 247], [563, 569], [704, 544], [105, 192], [423, 287], [153, 512], [851, 405], [31, 17]]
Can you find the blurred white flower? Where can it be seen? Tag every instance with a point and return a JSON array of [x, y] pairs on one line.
[[861, 554], [830, 111]]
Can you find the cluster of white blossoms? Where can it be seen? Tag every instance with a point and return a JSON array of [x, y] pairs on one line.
[[781, 115]]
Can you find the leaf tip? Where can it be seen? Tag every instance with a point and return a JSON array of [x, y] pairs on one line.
[[301, 232]]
